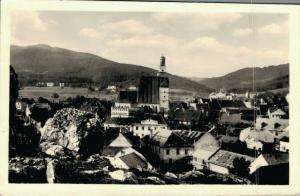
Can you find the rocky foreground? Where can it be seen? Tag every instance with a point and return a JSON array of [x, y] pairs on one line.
[[68, 152]]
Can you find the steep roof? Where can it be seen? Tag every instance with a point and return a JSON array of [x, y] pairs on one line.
[[120, 141], [132, 160], [167, 138], [190, 136]]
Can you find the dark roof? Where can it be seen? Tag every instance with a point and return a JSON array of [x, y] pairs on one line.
[[174, 140], [169, 138], [190, 136], [187, 115], [157, 117], [121, 121], [285, 139], [132, 160], [216, 104], [276, 158]]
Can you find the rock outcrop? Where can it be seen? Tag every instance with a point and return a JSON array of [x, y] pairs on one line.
[[76, 130]]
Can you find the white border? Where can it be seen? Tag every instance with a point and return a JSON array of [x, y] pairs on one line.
[[63, 189]]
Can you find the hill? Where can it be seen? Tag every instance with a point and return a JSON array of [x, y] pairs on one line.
[[266, 78], [45, 63]]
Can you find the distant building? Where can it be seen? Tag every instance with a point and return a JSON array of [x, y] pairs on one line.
[[283, 145], [61, 85], [119, 123], [50, 84], [154, 90], [41, 84], [223, 95], [276, 112], [119, 112], [111, 88]]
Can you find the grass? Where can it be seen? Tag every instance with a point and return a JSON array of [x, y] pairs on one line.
[[64, 93]]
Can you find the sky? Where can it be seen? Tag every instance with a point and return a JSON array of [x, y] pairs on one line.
[[194, 44]]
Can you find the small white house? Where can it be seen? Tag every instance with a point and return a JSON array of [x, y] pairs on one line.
[[50, 84], [276, 113], [147, 127]]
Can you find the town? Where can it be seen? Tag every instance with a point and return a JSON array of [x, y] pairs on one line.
[[144, 137]]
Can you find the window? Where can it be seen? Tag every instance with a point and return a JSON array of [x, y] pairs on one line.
[[195, 158], [136, 128], [167, 151], [142, 128], [186, 151], [177, 151]]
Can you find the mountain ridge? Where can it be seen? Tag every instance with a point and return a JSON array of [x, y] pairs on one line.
[[43, 62]]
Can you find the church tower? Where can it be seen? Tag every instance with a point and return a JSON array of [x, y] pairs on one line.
[[162, 66], [163, 86]]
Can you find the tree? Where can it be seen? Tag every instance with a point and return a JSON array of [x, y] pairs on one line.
[[55, 96]]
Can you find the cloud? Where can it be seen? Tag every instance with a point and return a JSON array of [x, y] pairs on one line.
[[274, 29], [28, 18], [242, 32], [116, 29], [90, 33], [211, 21]]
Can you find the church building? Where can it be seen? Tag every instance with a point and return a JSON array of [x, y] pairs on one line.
[[154, 90]]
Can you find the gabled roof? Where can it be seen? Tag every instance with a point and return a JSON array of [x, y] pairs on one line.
[[132, 160], [120, 141], [277, 110], [167, 138], [190, 136]]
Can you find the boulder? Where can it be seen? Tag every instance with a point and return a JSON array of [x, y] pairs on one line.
[[76, 130], [56, 151]]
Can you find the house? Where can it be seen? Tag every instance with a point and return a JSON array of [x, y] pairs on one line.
[[265, 160], [169, 146], [50, 84], [222, 161], [117, 144], [120, 123], [112, 88], [61, 85], [148, 127], [283, 144], [129, 158], [186, 117], [22, 103], [254, 138], [119, 112], [276, 112], [121, 154], [274, 125]]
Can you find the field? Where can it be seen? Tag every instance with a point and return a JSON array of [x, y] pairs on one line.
[[64, 93]]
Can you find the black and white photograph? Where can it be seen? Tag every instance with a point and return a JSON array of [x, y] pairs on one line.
[[149, 97]]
